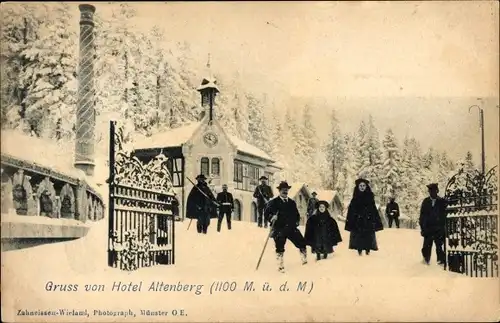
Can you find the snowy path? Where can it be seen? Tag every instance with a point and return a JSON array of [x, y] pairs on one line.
[[389, 285]]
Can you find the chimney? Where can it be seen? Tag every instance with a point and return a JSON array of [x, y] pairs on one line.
[[85, 112]]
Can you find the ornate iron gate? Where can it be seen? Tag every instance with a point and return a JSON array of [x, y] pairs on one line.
[[471, 244], [141, 223]]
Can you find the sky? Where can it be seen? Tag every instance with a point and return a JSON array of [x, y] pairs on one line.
[[415, 66]]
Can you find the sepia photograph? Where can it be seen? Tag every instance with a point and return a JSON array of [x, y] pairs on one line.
[[306, 161]]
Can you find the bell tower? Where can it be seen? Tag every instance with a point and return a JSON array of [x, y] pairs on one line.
[[208, 90]]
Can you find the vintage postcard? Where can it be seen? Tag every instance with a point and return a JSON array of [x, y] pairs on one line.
[[250, 161]]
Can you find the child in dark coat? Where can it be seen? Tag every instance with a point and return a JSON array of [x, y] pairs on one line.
[[322, 232]]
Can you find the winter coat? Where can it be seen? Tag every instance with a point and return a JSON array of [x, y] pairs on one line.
[[198, 204], [311, 206], [288, 214], [363, 216], [267, 194], [322, 233], [392, 207], [433, 219], [225, 197]]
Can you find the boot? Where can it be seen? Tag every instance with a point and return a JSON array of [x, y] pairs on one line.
[[281, 265], [367, 252], [303, 256], [360, 252], [325, 255], [318, 256]]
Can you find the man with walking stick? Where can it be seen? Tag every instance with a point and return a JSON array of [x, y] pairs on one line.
[[201, 204], [263, 193], [285, 219]]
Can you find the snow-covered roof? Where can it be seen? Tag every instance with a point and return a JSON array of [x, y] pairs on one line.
[[179, 136], [245, 147], [171, 138], [58, 156], [326, 195]]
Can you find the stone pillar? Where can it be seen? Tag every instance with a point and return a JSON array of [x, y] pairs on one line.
[[85, 113]]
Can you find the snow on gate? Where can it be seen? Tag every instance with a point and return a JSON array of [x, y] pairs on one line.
[[141, 222]]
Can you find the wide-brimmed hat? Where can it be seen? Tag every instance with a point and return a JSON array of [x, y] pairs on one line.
[[362, 180], [201, 176], [283, 184], [263, 177], [433, 186], [314, 193], [323, 202]]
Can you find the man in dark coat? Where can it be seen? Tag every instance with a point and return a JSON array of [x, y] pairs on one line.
[[201, 204], [392, 212], [285, 219], [263, 193], [432, 224], [225, 200], [312, 204]]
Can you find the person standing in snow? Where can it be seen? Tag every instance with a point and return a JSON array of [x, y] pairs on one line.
[[312, 205], [225, 200], [392, 212], [432, 224], [201, 204], [363, 219], [263, 193], [322, 231], [284, 217]]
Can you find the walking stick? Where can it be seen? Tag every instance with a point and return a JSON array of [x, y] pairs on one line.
[[265, 245], [189, 225]]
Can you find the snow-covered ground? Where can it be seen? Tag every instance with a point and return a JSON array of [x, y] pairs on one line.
[[389, 285]]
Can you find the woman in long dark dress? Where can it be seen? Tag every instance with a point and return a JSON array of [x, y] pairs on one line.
[[322, 232], [363, 219]]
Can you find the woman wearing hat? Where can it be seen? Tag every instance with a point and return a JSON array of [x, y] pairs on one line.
[[322, 231], [363, 219]]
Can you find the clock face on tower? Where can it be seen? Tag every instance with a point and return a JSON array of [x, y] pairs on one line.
[[210, 139]]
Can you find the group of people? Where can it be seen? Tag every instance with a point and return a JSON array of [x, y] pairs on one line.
[[322, 233], [203, 206], [362, 221]]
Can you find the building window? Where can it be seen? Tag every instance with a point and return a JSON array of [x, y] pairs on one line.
[[174, 166], [205, 166], [238, 172], [216, 166]]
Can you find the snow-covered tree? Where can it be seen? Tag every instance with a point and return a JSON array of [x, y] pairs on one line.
[[256, 121], [391, 180], [334, 151], [41, 55], [469, 162], [348, 173]]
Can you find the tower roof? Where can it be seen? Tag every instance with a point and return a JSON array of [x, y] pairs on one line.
[[208, 82]]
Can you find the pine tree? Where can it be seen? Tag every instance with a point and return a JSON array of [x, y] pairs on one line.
[[391, 167], [256, 121], [348, 173], [21, 24], [360, 148], [40, 60], [469, 163], [334, 152]]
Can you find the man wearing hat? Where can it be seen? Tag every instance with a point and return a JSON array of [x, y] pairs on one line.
[[392, 212], [285, 219], [226, 203], [201, 204], [263, 193], [432, 224], [312, 204]]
